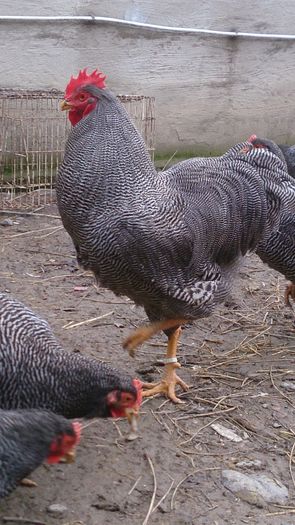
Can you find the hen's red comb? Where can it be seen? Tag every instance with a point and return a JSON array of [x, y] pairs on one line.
[[96, 78], [77, 427], [252, 138], [138, 385]]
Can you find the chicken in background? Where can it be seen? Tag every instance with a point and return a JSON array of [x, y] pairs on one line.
[[170, 240], [283, 151], [289, 154], [35, 372], [30, 437], [278, 250]]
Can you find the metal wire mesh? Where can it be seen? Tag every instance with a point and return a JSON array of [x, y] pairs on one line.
[[33, 132]]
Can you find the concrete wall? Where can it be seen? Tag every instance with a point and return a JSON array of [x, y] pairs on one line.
[[210, 92]]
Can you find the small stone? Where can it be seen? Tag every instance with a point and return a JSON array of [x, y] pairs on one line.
[[6, 222], [57, 510], [256, 489], [227, 433], [288, 385], [248, 463], [276, 424], [264, 405]]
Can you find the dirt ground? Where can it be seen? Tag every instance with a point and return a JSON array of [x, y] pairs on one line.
[[235, 362]]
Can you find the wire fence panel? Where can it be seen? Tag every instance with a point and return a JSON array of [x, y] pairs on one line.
[[33, 133]]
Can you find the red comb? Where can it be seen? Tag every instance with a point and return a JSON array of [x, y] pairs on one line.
[[96, 77], [138, 385], [77, 427], [252, 138]]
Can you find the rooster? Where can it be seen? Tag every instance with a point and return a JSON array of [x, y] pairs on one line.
[[30, 437], [35, 372], [278, 249], [169, 241]]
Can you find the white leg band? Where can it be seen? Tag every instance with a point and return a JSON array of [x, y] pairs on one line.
[[168, 360]]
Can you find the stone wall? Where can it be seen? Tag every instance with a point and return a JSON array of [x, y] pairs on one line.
[[210, 91]]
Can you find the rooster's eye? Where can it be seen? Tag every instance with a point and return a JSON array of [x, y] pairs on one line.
[[82, 97]]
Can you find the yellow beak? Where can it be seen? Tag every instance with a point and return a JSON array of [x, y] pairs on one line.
[[132, 418], [69, 457], [65, 106]]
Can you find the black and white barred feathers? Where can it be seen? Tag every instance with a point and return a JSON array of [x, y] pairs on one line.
[[35, 372], [25, 439], [278, 250], [289, 154], [169, 240]]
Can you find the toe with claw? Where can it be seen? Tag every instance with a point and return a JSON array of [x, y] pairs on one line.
[[26, 482], [167, 385]]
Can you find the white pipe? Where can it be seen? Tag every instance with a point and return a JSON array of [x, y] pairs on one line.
[[153, 27]]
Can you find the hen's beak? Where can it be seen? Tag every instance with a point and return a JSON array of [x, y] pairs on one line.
[[65, 106], [69, 457], [132, 417]]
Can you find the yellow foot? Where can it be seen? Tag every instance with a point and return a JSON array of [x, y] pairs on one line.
[[289, 292], [26, 482], [166, 387]]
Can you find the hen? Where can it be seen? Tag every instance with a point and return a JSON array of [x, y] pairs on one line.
[[278, 250], [35, 372], [168, 241], [28, 438], [289, 154]]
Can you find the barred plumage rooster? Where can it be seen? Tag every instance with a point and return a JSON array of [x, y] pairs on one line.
[[169, 241]]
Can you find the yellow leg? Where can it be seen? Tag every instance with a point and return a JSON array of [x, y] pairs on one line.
[[170, 378], [144, 333]]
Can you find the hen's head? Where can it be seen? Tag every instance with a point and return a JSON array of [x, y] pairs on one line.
[[77, 100], [121, 404], [267, 144], [62, 447]]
